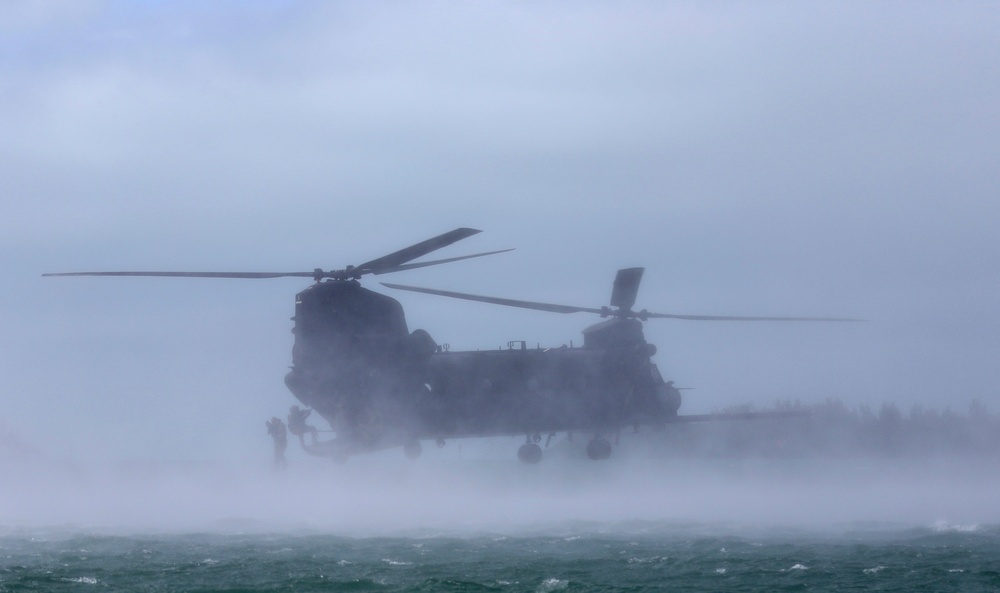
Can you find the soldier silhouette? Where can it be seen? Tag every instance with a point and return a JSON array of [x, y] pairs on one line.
[[276, 428], [297, 424]]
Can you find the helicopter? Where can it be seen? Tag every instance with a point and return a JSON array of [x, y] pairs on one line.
[[381, 386]]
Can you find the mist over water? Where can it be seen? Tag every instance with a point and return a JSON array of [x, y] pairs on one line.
[[481, 488], [470, 517]]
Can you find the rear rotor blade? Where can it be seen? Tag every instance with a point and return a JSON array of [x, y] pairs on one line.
[[648, 315], [412, 252], [498, 301], [626, 287], [553, 308]]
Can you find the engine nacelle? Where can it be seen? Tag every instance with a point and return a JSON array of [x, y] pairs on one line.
[[669, 396], [420, 345]]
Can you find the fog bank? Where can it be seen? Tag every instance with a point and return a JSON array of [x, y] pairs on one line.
[[388, 495]]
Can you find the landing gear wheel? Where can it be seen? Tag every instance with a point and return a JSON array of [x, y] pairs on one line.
[[412, 449], [598, 449], [529, 453]]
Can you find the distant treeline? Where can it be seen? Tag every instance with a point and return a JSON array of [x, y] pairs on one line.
[[832, 428]]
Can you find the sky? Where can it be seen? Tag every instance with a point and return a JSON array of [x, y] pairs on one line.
[[767, 158]]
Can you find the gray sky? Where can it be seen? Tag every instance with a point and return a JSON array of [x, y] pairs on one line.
[[757, 158]]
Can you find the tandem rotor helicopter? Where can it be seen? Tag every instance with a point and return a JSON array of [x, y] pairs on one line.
[[379, 385]]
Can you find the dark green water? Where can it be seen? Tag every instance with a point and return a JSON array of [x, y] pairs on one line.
[[593, 557]]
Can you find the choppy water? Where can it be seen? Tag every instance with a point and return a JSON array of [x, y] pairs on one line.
[[572, 557], [393, 525]]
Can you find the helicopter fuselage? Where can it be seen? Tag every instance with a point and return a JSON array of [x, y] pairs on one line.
[[379, 385]]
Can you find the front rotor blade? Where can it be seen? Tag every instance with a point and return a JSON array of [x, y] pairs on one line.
[[626, 287], [414, 251], [194, 274], [648, 315], [498, 301], [435, 262]]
